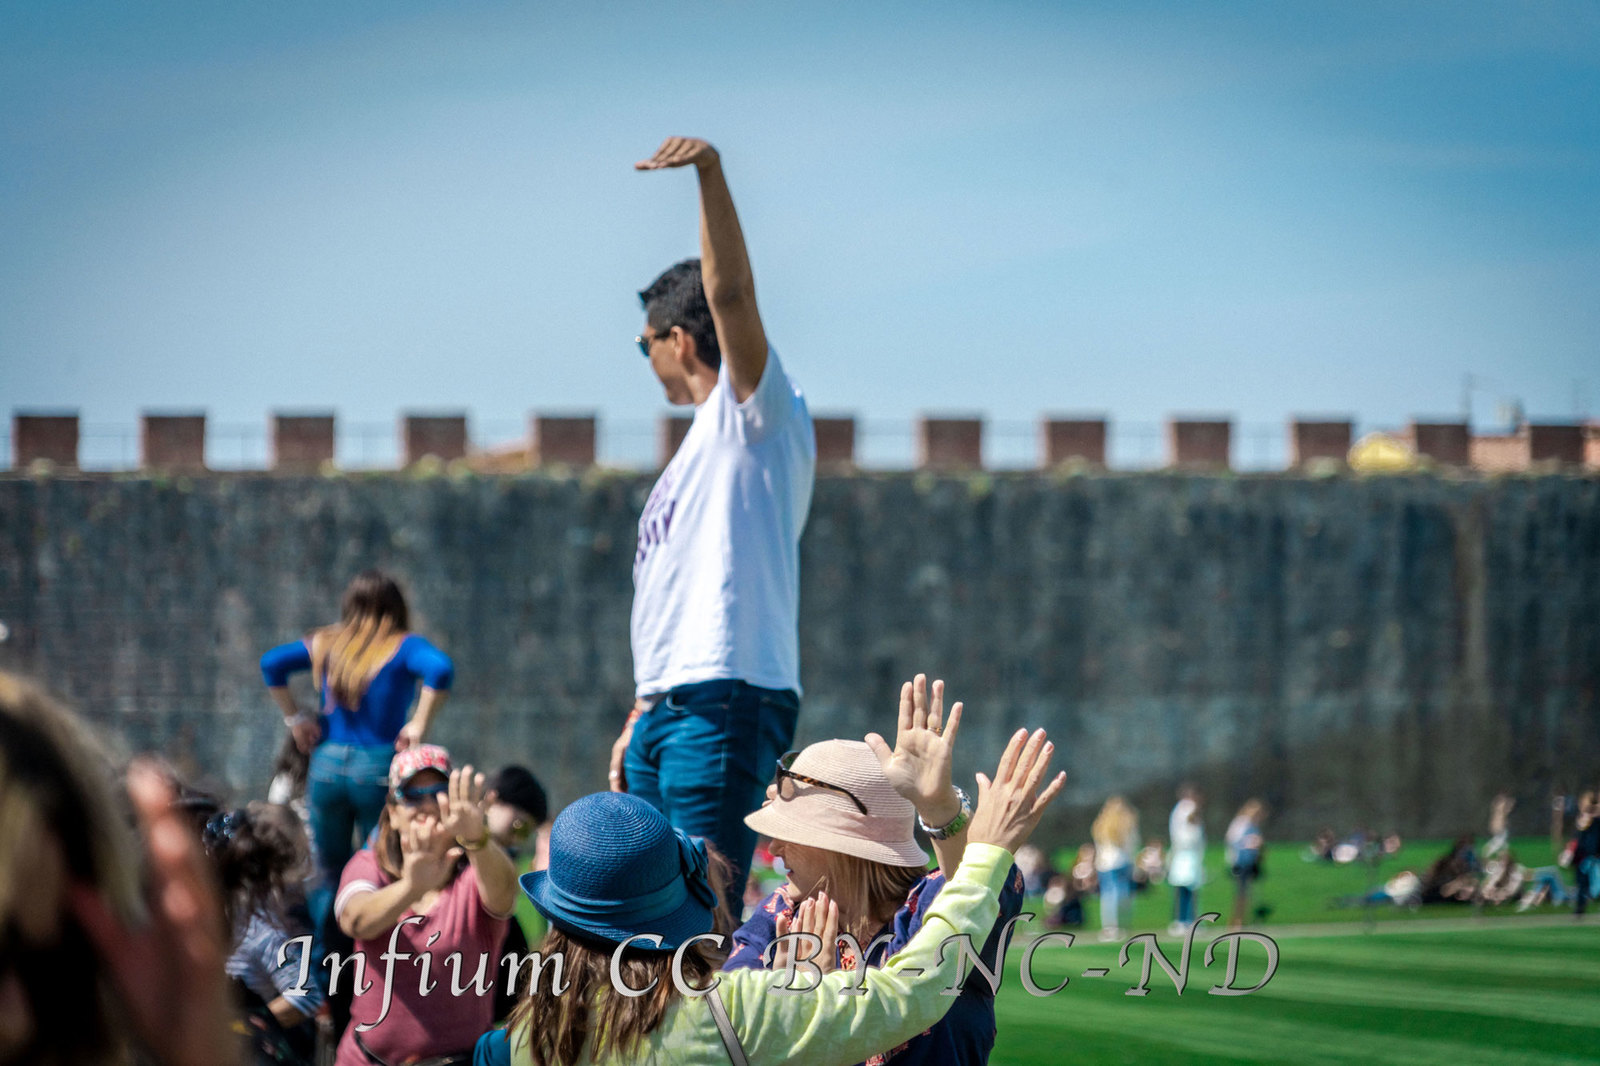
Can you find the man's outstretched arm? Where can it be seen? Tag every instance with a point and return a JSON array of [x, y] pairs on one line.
[[724, 263]]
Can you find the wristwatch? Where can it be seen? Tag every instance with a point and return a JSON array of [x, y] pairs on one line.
[[956, 824]]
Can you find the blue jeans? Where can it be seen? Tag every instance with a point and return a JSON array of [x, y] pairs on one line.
[[703, 756], [1185, 901], [1588, 871], [1116, 892], [346, 789]]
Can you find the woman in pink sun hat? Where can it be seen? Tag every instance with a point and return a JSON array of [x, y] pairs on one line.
[[842, 816], [631, 906]]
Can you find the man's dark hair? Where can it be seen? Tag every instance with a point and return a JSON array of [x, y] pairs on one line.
[[678, 298], [517, 786]]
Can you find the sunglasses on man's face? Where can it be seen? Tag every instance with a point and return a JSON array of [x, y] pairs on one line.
[[644, 342], [417, 795], [785, 779]]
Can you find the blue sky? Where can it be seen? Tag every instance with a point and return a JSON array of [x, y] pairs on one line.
[[1130, 208]]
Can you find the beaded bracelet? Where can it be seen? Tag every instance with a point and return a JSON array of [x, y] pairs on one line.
[[956, 824]]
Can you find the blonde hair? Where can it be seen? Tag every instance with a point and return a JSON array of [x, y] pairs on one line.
[[1113, 826], [372, 622], [868, 893]]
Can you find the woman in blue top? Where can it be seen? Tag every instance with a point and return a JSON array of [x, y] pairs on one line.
[[366, 670]]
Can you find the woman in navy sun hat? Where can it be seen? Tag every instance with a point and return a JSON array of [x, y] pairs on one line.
[[628, 897], [617, 868]]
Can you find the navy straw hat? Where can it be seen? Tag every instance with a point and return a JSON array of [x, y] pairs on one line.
[[617, 869]]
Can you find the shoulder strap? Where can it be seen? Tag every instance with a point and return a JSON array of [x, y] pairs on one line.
[[730, 1039]]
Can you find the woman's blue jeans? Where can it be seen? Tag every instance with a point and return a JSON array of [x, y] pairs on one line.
[[347, 786], [1116, 893], [703, 756], [1185, 904]]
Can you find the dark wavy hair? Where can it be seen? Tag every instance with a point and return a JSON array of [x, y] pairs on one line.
[[678, 298], [260, 855]]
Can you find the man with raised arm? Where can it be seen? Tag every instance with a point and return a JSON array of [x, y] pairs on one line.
[[716, 576]]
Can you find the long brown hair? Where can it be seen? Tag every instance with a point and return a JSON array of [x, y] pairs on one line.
[[372, 622], [557, 1026], [868, 893]]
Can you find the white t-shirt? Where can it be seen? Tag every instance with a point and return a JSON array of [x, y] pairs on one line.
[[1186, 865], [716, 576]]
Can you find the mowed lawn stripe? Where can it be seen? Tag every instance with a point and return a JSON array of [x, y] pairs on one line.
[[1558, 1007], [1443, 997], [1360, 1039]]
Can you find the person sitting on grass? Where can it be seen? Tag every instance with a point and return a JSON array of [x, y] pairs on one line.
[[1453, 877]]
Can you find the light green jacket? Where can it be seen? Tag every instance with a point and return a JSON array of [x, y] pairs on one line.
[[821, 1027]]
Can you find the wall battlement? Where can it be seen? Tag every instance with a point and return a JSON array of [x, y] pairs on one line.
[[302, 442]]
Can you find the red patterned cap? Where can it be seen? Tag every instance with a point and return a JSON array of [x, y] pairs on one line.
[[415, 759]]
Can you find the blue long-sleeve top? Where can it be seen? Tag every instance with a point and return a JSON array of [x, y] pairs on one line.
[[387, 702]]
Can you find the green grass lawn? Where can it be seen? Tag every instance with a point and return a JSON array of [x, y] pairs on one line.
[[1509, 991], [1502, 995]]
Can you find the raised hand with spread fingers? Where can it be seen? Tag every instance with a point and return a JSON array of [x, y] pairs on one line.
[[462, 818], [919, 767], [1011, 803]]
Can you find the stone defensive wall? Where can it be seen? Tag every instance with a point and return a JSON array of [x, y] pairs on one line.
[[1387, 649]]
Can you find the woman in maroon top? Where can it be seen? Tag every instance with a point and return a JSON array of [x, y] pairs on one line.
[[434, 884]]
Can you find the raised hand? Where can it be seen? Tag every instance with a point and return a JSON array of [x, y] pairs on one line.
[[820, 918], [461, 807], [919, 765], [1008, 806], [679, 152], [169, 971], [426, 857]]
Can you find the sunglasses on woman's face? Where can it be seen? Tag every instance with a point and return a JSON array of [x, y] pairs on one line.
[[785, 778], [417, 795]]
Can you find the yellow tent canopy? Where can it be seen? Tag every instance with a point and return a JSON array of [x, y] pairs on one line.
[[1382, 453]]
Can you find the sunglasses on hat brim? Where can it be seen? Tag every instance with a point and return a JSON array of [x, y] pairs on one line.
[[784, 778]]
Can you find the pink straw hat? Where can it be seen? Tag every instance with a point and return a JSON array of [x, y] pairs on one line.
[[824, 818]]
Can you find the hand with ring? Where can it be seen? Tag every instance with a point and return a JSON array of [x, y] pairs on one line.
[[919, 765]]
